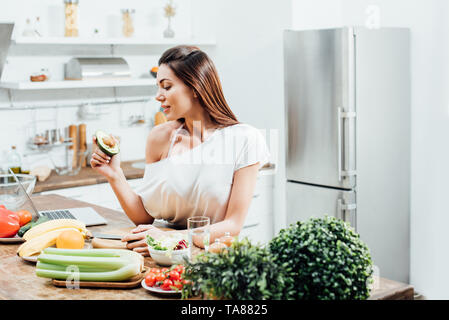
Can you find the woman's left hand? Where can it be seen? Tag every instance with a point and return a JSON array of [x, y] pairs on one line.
[[138, 238]]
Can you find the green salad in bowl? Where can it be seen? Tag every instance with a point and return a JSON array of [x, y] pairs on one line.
[[168, 250]]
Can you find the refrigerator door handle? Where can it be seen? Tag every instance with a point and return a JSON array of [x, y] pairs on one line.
[[342, 210], [341, 116]]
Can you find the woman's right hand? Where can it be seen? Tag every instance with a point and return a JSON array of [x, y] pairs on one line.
[[102, 163]]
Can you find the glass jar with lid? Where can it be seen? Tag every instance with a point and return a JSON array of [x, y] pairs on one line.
[[217, 246], [128, 22], [227, 239], [71, 18]]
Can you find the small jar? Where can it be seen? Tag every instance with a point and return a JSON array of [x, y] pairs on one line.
[[227, 239], [217, 246], [71, 18], [128, 23]]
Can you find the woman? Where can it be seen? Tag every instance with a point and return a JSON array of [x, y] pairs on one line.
[[202, 162]]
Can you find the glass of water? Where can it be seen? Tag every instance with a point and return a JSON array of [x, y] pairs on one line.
[[199, 232]]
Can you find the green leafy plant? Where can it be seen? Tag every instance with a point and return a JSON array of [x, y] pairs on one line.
[[244, 271], [323, 258]]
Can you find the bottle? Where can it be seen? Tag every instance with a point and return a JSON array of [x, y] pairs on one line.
[[25, 167], [13, 160], [71, 18], [128, 26]]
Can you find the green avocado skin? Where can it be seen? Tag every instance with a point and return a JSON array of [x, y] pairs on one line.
[[108, 152], [104, 149]]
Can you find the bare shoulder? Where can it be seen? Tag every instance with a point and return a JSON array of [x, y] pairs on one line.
[[158, 140]]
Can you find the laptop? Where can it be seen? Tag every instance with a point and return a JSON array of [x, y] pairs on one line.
[[88, 215]]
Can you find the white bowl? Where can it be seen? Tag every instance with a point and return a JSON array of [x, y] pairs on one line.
[[164, 258]]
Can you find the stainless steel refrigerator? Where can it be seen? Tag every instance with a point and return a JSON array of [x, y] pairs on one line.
[[347, 104]]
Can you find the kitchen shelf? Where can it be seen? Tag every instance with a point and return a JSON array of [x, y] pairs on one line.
[[108, 41], [73, 84]]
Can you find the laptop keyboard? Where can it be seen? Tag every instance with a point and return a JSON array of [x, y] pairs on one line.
[[57, 214]]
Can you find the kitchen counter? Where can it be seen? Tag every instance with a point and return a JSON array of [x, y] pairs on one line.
[[18, 279], [87, 176]]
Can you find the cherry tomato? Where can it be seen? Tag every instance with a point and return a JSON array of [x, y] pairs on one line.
[[2, 206], [177, 284], [179, 268], [186, 282], [160, 277], [24, 217], [150, 280], [174, 275], [153, 270], [167, 285], [164, 270]]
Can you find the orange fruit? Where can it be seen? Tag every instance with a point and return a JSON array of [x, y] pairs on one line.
[[70, 239]]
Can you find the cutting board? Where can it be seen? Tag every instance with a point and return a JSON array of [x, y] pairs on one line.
[[134, 282]]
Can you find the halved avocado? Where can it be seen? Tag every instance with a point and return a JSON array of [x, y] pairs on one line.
[[107, 144]]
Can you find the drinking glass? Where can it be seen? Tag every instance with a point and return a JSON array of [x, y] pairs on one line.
[[199, 231]]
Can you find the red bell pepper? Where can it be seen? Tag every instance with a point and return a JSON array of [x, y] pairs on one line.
[[9, 223]]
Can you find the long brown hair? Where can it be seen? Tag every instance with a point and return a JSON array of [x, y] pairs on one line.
[[198, 72]]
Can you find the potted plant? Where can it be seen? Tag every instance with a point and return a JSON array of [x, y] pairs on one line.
[[244, 271], [323, 259]]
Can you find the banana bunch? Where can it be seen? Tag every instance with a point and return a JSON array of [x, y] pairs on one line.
[[44, 235]]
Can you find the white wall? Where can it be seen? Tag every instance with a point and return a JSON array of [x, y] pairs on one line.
[[316, 14], [428, 22]]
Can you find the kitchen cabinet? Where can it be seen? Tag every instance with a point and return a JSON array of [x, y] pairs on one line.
[[258, 224], [98, 194]]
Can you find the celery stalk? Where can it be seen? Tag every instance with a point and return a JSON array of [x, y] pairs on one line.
[[84, 252], [124, 273], [93, 264], [57, 267], [99, 262]]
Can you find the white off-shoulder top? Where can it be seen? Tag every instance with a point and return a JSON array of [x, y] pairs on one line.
[[198, 182]]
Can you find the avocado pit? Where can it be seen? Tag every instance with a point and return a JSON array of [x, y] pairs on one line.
[[107, 144]]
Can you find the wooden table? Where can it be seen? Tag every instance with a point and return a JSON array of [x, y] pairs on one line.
[[18, 279]]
